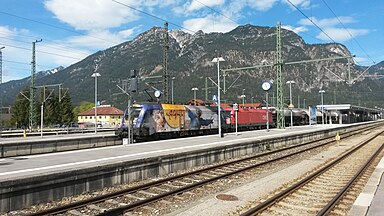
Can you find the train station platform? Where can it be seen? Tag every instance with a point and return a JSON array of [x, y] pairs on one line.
[[37, 178], [30, 145], [371, 199]]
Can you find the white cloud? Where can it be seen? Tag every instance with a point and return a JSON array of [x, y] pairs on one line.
[[209, 24], [305, 4], [101, 39], [327, 22], [92, 14], [340, 34], [333, 28], [362, 60], [6, 32], [127, 33], [261, 5], [197, 5], [18, 53], [297, 30]]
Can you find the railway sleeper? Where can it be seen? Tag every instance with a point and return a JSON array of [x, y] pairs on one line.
[[75, 213], [159, 189], [98, 208], [316, 195], [192, 180], [149, 208], [218, 172], [146, 193], [294, 207], [226, 169], [134, 197], [189, 193], [182, 183], [165, 202], [179, 197], [207, 175], [114, 202], [171, 186]]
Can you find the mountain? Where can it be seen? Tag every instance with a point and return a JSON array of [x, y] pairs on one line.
[[189, 61], [12, 88]]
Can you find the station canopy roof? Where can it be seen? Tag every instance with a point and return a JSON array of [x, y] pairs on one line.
[[334, 107]]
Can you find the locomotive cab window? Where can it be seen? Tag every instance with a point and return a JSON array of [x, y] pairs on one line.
[[134, 113]]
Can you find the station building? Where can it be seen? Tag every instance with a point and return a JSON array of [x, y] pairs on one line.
[[107, 116]]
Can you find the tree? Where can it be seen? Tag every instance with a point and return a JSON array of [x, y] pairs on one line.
[[52, 110], [66, 108], [20, 110], [84, 106]]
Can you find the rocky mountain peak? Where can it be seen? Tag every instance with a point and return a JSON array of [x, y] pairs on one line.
[[189, 61]]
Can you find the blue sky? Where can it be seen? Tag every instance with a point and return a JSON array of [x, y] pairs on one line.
[[72, 30]]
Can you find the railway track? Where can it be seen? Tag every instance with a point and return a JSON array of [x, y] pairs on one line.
[[320, 192], [143, 196]]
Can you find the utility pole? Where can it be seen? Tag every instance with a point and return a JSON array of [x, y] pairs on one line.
[[1, 93], [206, 89], [42, 110], [32, 111], [279, 80], [165, 72]]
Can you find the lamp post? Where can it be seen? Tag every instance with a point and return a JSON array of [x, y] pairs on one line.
[[194, 89], [243, 96], [1, 96], [252, 100], [173, 78], [95, 75], [290, 99], [322, 106], [304, 104], [266, 86], [218, 60]]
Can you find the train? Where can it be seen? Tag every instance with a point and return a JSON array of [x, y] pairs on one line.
[[152, 121]]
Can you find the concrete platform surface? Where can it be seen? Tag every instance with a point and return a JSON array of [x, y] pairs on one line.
[[37, 165]]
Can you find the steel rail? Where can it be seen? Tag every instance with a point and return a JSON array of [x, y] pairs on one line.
[[122, 209], [98, 199], [328, 208], [274, 199]]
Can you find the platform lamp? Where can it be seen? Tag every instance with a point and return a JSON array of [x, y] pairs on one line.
[[243, 96], [194, 89], [322, 105], [290, 106], [218, 60], [95, 75], [1, 81]]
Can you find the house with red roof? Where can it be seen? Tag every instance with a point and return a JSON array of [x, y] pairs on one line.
[[107, 116]]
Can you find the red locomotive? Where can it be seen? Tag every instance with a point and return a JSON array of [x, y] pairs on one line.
[[249, 116]]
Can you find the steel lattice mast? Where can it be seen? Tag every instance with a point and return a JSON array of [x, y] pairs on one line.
[[1, 93], [32, 110], [165, 74], [279, 81]]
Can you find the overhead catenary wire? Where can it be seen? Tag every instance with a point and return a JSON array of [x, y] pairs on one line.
[[44, 45], [23, 63], [151, 15], [350, 34], [298, 9], [8, 45], [218, 12], [57, 27]]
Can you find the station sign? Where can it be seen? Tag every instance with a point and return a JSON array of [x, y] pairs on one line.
[[235, 106], [214, 98]]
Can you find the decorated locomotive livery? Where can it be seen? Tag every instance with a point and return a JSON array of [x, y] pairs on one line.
[[155, 121]]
